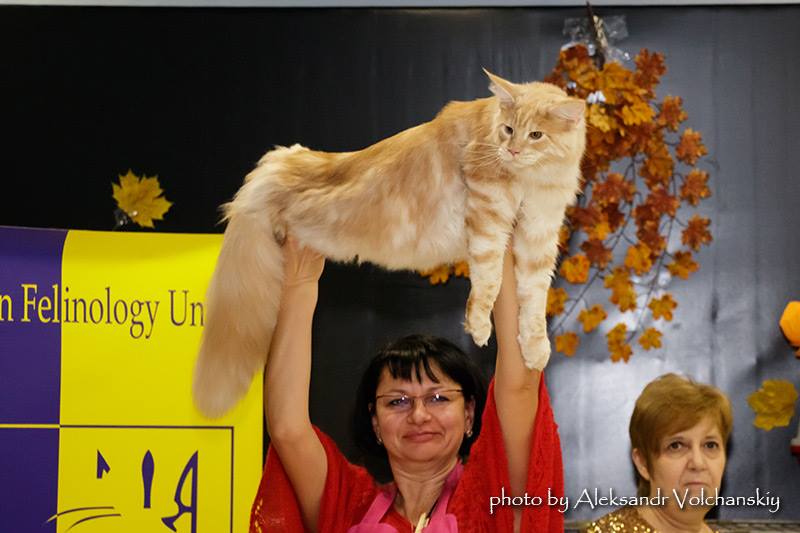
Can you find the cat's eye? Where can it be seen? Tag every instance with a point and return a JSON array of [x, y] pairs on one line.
[[535, 135], [508, 129]]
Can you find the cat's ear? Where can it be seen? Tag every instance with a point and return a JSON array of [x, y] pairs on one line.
[[502, 89], [571, 110]]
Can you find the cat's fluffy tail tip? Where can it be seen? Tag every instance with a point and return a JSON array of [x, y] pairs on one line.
[[217, 388]]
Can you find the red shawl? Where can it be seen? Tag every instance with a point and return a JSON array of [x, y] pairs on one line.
[[349, 489]]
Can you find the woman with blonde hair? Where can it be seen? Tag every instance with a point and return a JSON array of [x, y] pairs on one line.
[[679, 432]]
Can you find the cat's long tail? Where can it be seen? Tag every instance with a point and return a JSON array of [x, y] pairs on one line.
[[242, 303]]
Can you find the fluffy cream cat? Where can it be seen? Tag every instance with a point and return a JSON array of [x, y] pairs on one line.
[[451, 189]]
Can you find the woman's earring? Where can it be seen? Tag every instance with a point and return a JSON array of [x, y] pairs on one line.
[[378, 438], [468, 433]]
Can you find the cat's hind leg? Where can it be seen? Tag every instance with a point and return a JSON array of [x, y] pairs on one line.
[[488, 229]]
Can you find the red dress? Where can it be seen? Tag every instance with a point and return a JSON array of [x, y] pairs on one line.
[[349, 489]]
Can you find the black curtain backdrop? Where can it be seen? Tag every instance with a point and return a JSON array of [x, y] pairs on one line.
[[195, 96]]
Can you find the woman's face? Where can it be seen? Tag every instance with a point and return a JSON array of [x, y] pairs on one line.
[[687, 462], [415, 424]]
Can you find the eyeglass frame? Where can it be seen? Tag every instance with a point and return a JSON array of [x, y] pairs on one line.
[[413, 399]]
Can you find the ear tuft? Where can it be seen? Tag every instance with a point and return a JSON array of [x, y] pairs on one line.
[[502, 89]]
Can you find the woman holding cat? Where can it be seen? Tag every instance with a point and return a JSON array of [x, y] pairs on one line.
[[421, 404]]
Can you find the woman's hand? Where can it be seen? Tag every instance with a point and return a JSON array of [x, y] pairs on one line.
[[301, 265]]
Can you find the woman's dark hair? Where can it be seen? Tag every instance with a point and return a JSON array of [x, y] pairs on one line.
[[407, 358]]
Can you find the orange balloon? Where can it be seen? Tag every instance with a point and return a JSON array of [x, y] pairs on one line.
[[790, 323]]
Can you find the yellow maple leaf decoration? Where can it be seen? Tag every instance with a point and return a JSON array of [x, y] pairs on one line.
[[662, 307], [140, 198], [575, 269], [683, 265], [651, 338], [617, 347], [623, 295], [591, 318], [556, 298], [567, 343], [773, 404], [638, 258]]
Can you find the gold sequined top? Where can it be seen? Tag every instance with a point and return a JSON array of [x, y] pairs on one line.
[[624, 519]]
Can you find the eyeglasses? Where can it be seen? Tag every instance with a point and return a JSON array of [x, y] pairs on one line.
[[433, 401]]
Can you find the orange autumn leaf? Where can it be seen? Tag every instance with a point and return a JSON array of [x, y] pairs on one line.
[[599, 231], [639, 258], [567, 343], [623, 295], [617, 347], [663, 307], [696, 232], [575, 269], [662, 201], [556, 298], [437, 275], [638, 113], [695, 187], [651, 338], [564, 233], [598, 118], [614, 189], [597, 253], [591, 318], [649, 68], [584, 217], [658, 167], [649, 235], [690, 148], [672, 113], [682, 265]]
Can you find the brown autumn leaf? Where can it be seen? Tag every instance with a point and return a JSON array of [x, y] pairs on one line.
[[649, 69], [663, 307], [682, 265], [662, 201], [696, 232], [591, 318], [651, 338], [575, 269], [614, 189], [690, 148], [567, 343], [584, 217], [650, 235], [695, 187], [639, 258], [597, 253], [672, 113], [556, 298], [659, 165]]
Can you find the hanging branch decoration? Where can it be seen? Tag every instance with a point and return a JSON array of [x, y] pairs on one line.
[[639, 179], [139, 200]]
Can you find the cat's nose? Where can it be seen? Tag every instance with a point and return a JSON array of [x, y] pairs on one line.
[[513, 152]]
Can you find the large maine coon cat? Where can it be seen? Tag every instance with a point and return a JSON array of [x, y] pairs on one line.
[[451, 189]]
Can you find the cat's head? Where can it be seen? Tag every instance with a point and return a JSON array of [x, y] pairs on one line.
[[535, 124]]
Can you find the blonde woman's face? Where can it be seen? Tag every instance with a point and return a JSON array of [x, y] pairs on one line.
[[687, 462]]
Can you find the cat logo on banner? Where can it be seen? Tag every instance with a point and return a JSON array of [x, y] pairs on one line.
[[98, 432]]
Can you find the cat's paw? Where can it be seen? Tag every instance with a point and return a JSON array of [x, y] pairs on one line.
[[480, 330], [535, 351]]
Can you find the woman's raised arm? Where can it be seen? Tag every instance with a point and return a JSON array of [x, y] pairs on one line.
[[516, 387], [287, 380]]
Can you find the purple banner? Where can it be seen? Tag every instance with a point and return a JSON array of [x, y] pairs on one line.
[[30, 377]]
